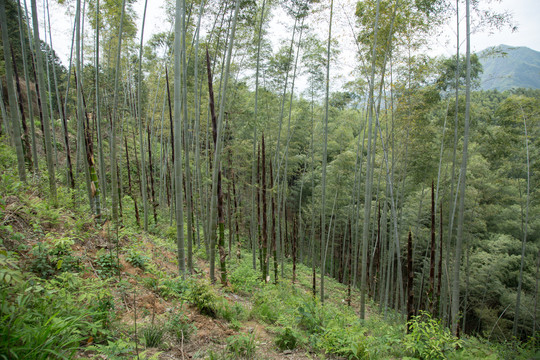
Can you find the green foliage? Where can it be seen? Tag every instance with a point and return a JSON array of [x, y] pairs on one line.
[[243, 278], [107, 265], [45, 319], [50, 260], [287, 339], [152, 335], [429, 339], [264, 311], [230, 312], [242, 346], [311, 317], [115, 350], [137, 259], [355, 350], [10, 184], [173, 288], [204, 298], [42, 265]]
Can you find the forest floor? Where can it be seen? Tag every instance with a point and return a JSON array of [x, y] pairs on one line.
[[145, 292], [78, 288]]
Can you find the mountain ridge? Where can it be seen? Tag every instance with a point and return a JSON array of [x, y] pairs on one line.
[[507, 67]]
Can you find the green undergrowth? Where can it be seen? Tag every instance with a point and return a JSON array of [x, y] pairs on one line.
[[64, 286]]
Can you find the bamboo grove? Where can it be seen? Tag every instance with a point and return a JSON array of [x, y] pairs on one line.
[[402, 182]]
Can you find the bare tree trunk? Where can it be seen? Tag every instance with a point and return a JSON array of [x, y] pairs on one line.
[[264, 243], [25, 140], [253, 182], [28, 91], [179, 32], [274, 244], [369, 170], [430, 298], [439, 275], [525, 228], [236, 215], [410, 282], [112, 142], [463, 177], [140, 125], [218, 147], [129, 184], [12, 98], [46, 116], [325, 147]]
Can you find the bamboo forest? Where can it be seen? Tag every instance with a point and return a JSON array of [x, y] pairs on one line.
[[264, 179]]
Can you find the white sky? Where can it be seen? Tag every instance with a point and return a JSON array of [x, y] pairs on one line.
[[525, 14]]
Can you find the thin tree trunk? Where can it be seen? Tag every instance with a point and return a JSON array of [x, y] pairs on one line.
[[218, 146], [236, 215], [253, 182], [430, 298], [536, 291], [264, 243], [369, 169], [179, 32], [25, 140], [325, 149], [439, 275], [524, 242], [129, 184], [274, 244], [112, 142], [447, 297], [12, 98], [463, 177], [186, 147], [151, 175], [46, 118], [410, 282], [98, 110], [140, 123]]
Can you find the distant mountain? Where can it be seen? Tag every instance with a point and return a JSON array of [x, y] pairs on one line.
[[507, 67]]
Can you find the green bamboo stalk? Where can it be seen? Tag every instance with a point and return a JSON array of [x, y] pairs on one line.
[[45, 111], [179, 32], [112, 142]]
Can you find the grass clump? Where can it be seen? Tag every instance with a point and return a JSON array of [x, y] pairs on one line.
[[180, 327], [242, 346], [152, 336]]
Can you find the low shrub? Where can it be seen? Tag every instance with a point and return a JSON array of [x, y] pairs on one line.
[[311, 317], [204, 298], [244, 279], [174, 288], [287, 339], [429, 339], [107, 265]]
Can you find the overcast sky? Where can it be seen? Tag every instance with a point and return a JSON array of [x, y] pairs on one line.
[[525, 14]]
